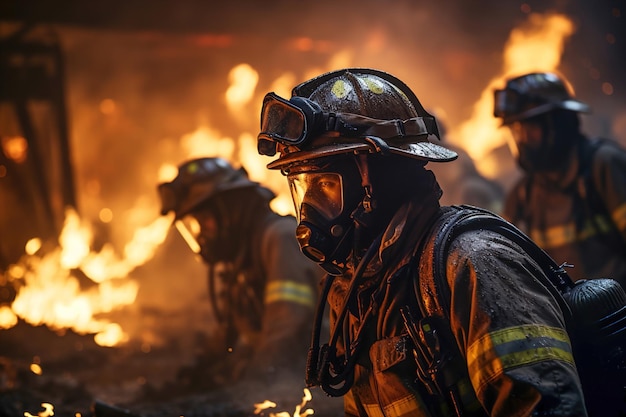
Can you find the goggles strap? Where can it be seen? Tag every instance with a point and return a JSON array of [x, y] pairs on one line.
[[355, 125]]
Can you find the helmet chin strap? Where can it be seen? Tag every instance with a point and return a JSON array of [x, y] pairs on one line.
[[369, 204]]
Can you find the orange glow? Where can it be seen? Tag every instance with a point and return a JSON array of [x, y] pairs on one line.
[[15, 148], [303, 44], [108, 106], [105, 215], [220, 41]]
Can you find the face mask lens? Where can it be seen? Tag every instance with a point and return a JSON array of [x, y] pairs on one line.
[[281, 121], [322, 191]]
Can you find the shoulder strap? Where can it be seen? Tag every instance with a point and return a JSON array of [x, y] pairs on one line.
[[434, 295]]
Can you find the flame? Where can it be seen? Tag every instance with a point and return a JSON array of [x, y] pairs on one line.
[[53, 293], [48, 411], [258, 408], [536, 45], [243, 79], [73, 286]]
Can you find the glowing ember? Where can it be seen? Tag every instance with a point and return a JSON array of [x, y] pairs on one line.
[[537, 45], [36, 369]]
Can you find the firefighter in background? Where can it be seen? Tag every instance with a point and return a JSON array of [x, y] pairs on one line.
[[262, 289], [462, 183], [354, 144], [572, 197]]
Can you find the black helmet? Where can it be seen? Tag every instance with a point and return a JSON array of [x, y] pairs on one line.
[[533, 94], [353, 111], [348, 111], [197, 181]]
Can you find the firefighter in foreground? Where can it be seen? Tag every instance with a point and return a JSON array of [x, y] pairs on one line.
[[354, 144], [572, 198], [261, 288]]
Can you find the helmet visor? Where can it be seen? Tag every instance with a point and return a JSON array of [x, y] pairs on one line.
[[321, 190], [282, 121]]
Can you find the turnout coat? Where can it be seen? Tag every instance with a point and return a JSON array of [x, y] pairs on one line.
[[506, 328]]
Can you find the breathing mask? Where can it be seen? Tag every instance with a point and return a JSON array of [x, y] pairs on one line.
[[324, 201]]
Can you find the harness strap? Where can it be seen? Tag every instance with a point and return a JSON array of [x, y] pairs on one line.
[[468, 218]]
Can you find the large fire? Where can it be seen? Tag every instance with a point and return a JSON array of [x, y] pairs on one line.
[[74, 286]]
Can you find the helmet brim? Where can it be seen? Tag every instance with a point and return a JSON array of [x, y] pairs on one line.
[[422, 150], [571, 105]]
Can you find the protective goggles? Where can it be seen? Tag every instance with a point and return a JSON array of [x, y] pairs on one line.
[[506, 102], [323, 191], [288, 122]]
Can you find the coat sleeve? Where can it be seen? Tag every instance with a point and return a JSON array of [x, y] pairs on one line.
[[289, 300], [510, 329], [609, 176]]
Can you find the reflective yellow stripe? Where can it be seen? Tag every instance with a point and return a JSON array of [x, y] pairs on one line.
[[373, 410], [289, 291], [619, 217], [509, 348], [407, 406], [404, 407], [561, 235]]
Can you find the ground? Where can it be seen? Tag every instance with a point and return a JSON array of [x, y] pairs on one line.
[[78, 377]]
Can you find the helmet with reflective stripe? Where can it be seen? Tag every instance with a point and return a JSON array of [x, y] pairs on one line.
[[534, 94], [347, 111]]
